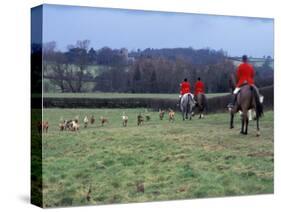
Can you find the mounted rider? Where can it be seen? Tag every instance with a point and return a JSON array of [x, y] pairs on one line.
[[185, 88], [245, 75], [199, 88]]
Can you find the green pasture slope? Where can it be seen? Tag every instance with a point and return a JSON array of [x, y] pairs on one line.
[[156, 161], [121, 95]]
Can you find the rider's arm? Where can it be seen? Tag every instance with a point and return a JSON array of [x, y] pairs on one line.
[[253, 73], [238, 74]]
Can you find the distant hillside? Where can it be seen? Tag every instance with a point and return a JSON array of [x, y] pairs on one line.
[[194, 56], [81, 69]]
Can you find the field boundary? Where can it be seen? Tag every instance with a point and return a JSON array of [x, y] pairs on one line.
[[215, 104]]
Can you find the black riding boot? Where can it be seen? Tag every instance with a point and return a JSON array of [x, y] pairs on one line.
[[179, 103], [233, 101]]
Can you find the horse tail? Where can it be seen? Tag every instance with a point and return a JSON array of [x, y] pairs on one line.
[[259, 106], [190, 100]]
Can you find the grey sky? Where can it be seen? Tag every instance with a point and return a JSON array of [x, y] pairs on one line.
[[135, 29]]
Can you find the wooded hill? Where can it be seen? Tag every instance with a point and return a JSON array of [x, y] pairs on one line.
[[84, 69]]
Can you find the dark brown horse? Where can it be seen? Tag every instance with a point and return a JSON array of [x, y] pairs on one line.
[[201, 104], [247, 98]]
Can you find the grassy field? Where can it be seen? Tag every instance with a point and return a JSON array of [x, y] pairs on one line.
[[121, 95], [156, 161]]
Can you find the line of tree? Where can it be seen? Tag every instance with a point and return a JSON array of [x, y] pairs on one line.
[[141, 71]]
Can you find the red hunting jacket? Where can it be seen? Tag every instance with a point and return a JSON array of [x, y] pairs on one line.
[[185, 88], [245, 74], [199, 87]]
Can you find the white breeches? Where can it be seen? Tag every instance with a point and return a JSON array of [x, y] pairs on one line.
[[261, 98], [236, 90]]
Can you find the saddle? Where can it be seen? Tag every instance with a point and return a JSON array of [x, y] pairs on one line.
[[243, 85]]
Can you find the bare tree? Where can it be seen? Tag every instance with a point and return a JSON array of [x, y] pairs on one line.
[[78, 56]]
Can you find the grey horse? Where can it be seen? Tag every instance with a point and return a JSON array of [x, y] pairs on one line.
[[186, 105]]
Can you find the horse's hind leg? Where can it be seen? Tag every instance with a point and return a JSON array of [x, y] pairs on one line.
[[242, 124], [247, 123], [201, 113], [231, 120], [258, 127]]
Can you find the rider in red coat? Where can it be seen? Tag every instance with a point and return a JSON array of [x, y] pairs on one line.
[[185, 87], [245, 75], [199, 87]]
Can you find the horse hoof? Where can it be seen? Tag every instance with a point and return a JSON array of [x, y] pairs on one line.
[[258, 134], [231, 127]]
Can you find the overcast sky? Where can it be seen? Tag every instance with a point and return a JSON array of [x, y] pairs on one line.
[[135, 29]]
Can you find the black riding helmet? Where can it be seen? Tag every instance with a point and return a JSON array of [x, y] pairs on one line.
[[244, 58]]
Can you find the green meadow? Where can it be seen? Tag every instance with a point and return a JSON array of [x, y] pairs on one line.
[[159, 160]]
